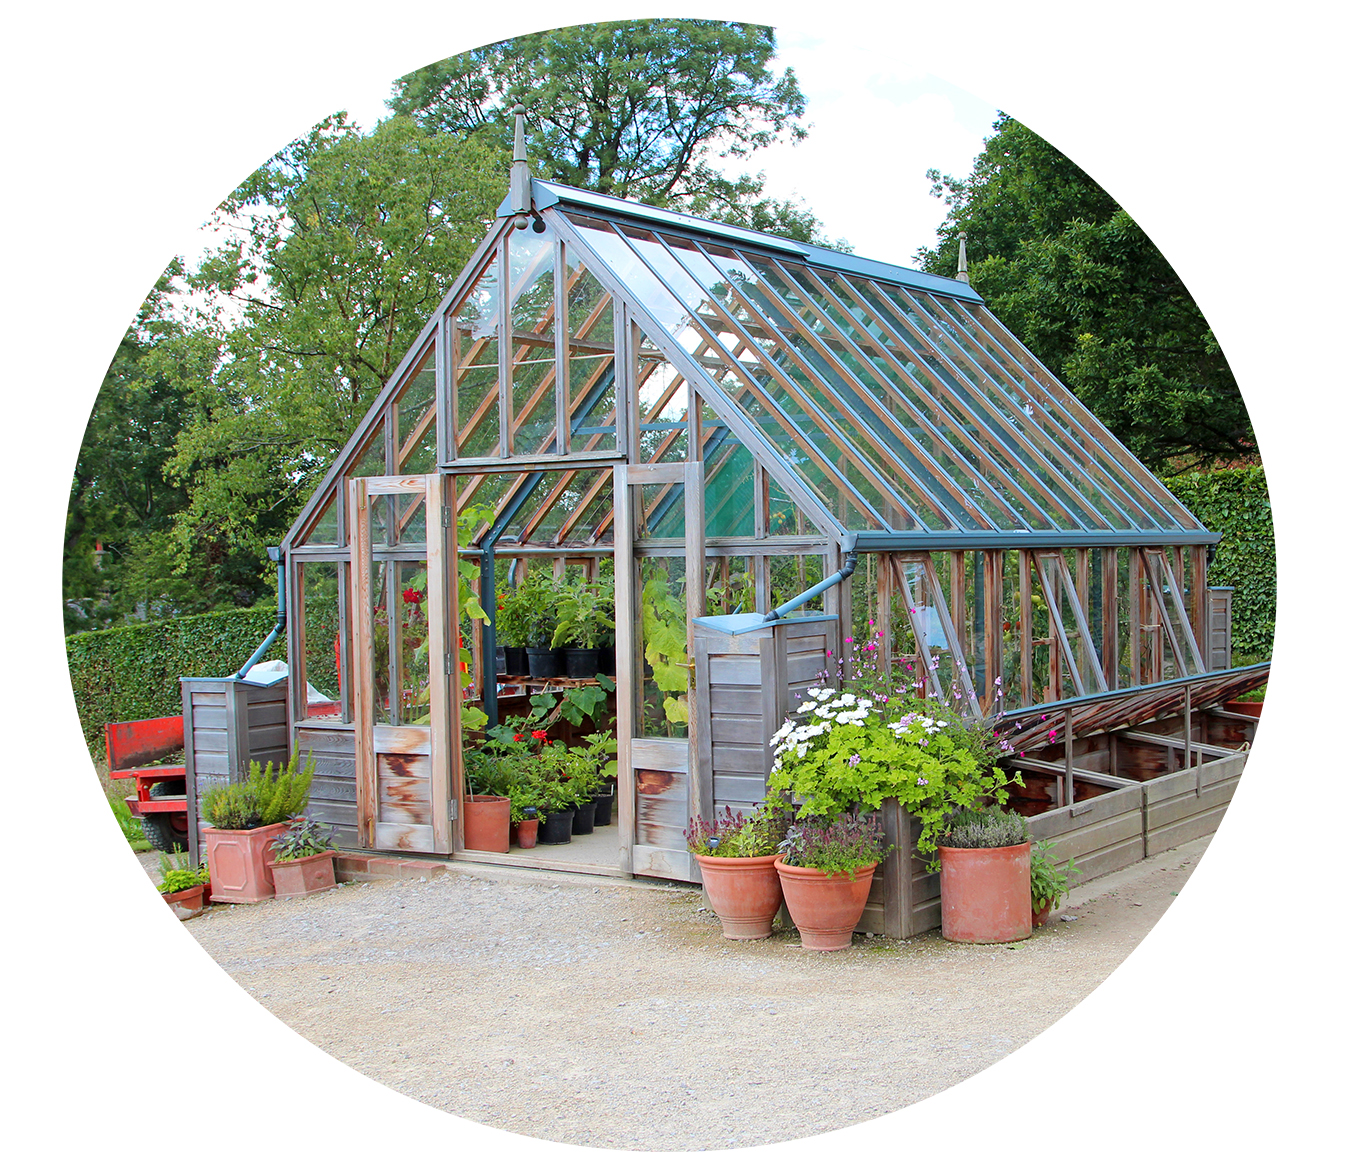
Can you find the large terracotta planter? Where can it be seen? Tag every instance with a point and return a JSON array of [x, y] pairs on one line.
[[240, 863], [305, 876], [744, 892], [826, 906], [486, 823], [984, 894], [1252, 708]]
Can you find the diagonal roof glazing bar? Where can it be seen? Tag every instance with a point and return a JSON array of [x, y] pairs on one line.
[[982, 322], [1140, 510], [894, 384], [1103, 497], [1040, 456], [696, 264], [674, 318]]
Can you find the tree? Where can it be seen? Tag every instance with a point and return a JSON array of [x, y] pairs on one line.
[[1073, 275], [348, 242], [638, 110]]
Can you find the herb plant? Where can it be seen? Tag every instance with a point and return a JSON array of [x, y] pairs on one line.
[[737, 836], [978, 827], [841, 843], [177, 874], [268, 796], [1048, 877], [303, 838]]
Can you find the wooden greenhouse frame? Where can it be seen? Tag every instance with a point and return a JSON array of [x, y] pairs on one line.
[[608, 381]]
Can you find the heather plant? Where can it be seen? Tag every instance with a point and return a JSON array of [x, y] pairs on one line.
[[736, 836], [979, 827], [833, 844]]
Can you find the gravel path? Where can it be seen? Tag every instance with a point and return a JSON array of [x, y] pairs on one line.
[[613, 1014]]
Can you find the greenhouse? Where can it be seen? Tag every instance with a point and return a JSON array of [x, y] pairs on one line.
[[724, 426]]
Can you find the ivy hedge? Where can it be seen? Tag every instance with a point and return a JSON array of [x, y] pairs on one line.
[[1234, 502]]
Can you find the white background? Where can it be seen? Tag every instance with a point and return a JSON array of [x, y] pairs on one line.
[[128, 122]]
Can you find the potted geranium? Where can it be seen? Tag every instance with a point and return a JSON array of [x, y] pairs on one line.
[[244, 818], [984, 876], [737, 856], [304, 861], [826, 866], [1049, 881]]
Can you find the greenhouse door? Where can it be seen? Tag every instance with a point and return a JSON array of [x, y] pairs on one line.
[[400, 679], [659, 549]]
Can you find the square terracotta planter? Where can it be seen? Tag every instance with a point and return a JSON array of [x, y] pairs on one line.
[[240, 864], [304, 876]]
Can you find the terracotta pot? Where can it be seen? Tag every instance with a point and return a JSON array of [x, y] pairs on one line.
[[1245, 707], [486, 823], [188, 902], [526, 832], [744, 892], [240, 863], [826, 906], [305, 876], [984, 894], [1041, 916]]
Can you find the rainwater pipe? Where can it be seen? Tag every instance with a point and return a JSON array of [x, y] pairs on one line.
[[274, 555], [843, 573]]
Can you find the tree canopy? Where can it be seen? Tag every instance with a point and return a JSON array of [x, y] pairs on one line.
[[1071, 273], [640, 110]]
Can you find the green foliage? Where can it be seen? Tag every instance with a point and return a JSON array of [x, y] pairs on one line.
[[269, 796], [177, 875], [848, 750], [983, 827], [1074, 277], [131, 673], [130, 826], [584, 614], [834, 844], [738, 836], [302, 838], [1049, 880], [1234, 502], [639, 109], [665, 629]]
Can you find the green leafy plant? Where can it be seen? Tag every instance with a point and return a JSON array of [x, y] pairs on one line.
[[983, 827], [1049, 879], [584, 615], [130, 826], [664, 626], [843, 842], [177, 875], [268, 796], [302, 838], [735, 835]]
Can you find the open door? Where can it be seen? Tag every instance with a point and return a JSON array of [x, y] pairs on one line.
[[659, 546], [402, 680]]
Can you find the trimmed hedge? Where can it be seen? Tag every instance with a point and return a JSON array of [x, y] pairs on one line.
[[1234, 502], [131, 673]]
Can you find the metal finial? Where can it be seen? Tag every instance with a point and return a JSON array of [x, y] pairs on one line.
[[962, 273], [521, 180]]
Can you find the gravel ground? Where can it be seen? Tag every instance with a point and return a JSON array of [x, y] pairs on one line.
[[613, 1014]]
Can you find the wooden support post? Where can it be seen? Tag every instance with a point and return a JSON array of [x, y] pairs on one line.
[[1069, 781], [1188, 735]]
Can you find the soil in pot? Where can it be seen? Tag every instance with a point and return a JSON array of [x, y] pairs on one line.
[[546, 663], [581, 663], [555, 828], [516, 662], [526, 833], [984, 894], [744, 892], [486, 823], [826, 907], [584, 818]]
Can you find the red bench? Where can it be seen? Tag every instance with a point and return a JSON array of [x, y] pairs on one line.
[[161, 789]]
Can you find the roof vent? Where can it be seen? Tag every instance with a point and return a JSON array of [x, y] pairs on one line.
[[962, 273], [521, 180]]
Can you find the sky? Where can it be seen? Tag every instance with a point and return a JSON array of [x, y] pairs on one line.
[[128, 121]]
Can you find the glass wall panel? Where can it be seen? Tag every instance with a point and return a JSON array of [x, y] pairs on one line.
[[728, 485], [415, 411], [663, 397], [661, 644], [658, 511], [1013, 625], [322, 638], [589, 314], [533, 370], [477, 368], [729, 585]]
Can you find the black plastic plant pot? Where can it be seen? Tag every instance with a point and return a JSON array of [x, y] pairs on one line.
[[607, 660], [516, 662], [581, 663], [584, 818], [546, 663], [603, 809], [556, 828]]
